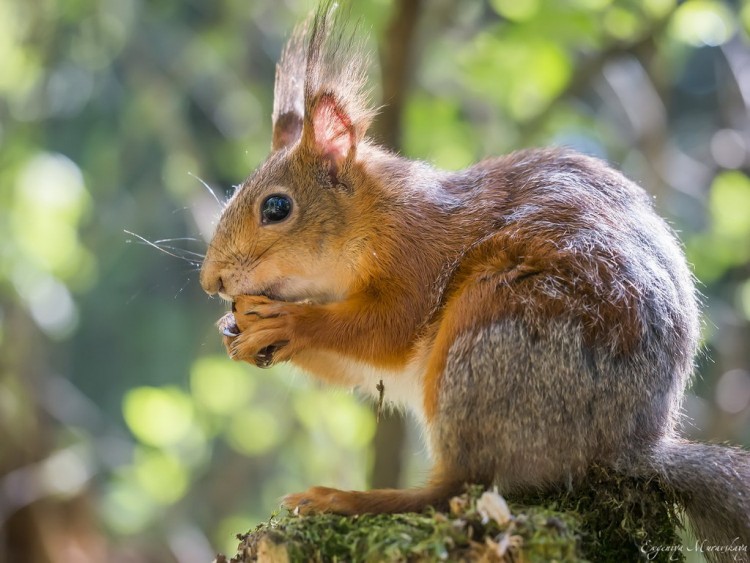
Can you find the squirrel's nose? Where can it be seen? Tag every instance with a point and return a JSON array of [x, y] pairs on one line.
[[221, 285], [211, 280]]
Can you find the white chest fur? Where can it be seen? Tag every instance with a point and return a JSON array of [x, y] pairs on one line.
[[402, 387]]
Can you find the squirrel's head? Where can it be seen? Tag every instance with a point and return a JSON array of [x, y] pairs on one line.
[[287, 231]]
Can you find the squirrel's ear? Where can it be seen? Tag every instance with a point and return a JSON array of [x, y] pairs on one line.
[[287, 128], [337, 112], [330, 132], [288, 92]]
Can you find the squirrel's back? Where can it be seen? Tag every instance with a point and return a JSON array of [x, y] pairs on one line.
[[580, 314], [594, 239]]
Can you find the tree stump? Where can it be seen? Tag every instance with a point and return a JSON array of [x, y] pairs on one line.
[[607, 517]]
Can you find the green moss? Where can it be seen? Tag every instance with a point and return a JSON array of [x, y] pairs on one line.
[[607, 518], [621, 517]]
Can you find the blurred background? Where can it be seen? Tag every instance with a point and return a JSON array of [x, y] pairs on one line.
[[126, 435]]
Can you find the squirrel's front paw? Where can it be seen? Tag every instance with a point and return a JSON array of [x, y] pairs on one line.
[[262, 325]]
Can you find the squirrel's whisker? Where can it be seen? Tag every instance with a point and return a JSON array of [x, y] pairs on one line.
[[168, 250], [210, 190]]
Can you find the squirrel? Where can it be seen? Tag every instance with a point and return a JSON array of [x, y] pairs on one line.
[[533, 311]]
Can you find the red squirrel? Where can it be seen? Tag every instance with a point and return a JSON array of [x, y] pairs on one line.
[[532, 310]]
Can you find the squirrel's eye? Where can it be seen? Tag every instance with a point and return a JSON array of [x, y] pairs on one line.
[[275, 208]]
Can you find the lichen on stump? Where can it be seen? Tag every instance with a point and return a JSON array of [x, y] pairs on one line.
[[607, 518]]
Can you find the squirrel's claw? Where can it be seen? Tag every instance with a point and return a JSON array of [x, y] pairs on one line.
[[265, 358], [228, 326], [228, 332]]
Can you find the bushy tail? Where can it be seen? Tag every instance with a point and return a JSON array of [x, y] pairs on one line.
[[713, 484]]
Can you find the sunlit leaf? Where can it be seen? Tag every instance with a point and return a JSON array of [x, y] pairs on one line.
[[727, 243], [730, 204], [254, 431], [436, 132], [622, 23], [161, 475], [126, 507], [344, 418], [350, 423], [522, 74], [50, 200], [515, 10], [593, 5], [703, 22], [710, 256], [220, 385], [658, 8], [570, 24], [159, 416]]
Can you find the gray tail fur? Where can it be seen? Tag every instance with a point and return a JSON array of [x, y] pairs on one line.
[[712, 482]]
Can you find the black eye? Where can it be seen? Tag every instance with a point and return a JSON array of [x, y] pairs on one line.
[[275, 208]]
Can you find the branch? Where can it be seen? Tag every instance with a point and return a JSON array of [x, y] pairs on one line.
[[396, 63]]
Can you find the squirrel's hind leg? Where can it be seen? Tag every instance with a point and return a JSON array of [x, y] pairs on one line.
[[520, 404]]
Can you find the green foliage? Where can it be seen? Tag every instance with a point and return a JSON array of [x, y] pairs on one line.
[[248, 410], [726, 242], [543, 63], [220, 387], [729, 203], [621, 518], [703, 22], [158, 416]]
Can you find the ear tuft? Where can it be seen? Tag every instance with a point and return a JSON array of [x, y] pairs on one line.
[[288, 94]]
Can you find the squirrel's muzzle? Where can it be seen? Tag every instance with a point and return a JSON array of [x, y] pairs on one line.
[[211, 276]]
